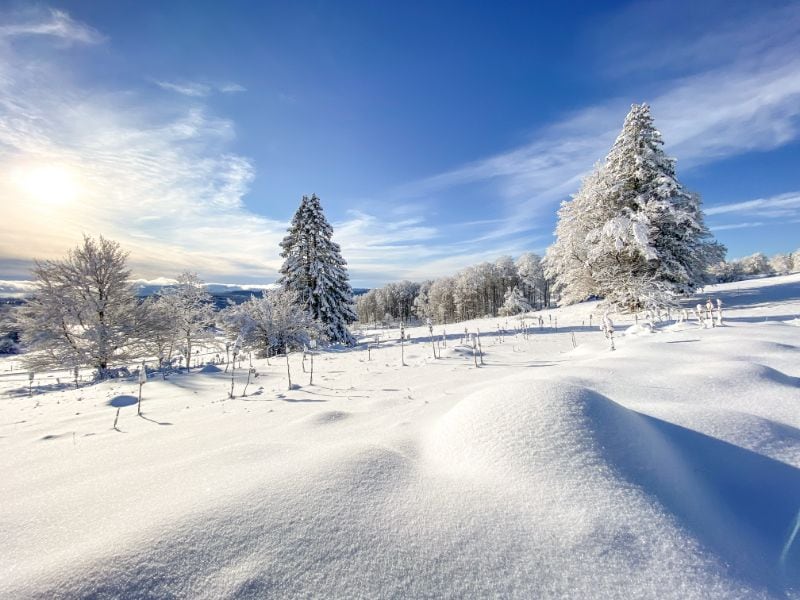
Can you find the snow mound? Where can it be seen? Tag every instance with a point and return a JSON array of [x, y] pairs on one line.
[[209, 368], [638, 329], [593, 467]]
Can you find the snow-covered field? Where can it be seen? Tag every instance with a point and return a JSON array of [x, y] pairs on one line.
[[669, 468]]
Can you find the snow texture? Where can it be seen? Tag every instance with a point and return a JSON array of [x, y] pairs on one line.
[[669, 468]]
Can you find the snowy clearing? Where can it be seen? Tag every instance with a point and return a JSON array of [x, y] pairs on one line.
[[669, 468]]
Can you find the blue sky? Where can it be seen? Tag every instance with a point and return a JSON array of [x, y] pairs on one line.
[[438, 134]]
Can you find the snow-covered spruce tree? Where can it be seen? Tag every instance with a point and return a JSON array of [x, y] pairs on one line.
[[632, 235], [314, 269], [83, 313]]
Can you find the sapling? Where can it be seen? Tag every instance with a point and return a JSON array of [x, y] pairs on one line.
[[250, 372], [76, 372], [480, 348], [313, 344], [402, 349], [30, 383], [288, 369], [607, 327], [710, 313], [235, 352], [142, 381], [719, 312], [433, 344], [474, 349]]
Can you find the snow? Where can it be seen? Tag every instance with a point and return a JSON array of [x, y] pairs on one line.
[[669, 468]]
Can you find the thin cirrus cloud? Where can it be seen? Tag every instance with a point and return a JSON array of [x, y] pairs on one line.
[[160, 178], [196, 89], [781, 206], [745, 225], [746, 97], [52, 23]]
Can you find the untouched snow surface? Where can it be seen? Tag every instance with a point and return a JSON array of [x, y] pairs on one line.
[[669, 468]]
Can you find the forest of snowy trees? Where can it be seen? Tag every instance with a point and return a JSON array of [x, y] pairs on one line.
[[473, 292]]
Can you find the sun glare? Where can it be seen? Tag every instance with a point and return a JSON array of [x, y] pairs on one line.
[[50, 185]]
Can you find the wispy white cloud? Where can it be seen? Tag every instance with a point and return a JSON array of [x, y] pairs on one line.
[[159, 177], [187, 88], [780, 206], [52, 23], [231, 88], [197, 89], [746, 99], [745, 225]]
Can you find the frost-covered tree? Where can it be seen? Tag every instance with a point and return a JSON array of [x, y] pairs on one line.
[[157, 329], [270, 324], [567, 262], [191, 307], [633, 234], [514, 303], [83, 312], [532, 279], [725, 272], [442, 300], [314, 269], [781, 264], [755, 264]]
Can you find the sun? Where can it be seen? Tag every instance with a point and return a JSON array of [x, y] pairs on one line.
[[49, 185]]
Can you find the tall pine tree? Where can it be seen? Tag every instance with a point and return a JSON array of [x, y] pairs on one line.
[[313, 267], [632, 234]]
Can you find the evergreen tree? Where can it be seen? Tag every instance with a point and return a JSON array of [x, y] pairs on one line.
[[633, 234], [314, 268]]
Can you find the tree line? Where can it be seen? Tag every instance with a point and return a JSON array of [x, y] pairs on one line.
[[475, 291]]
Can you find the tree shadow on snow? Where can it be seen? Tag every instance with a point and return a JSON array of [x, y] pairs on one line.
[[154, 421], [123, 401], [751, 297]]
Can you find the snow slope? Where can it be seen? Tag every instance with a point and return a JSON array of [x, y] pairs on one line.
[[669, 468]]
